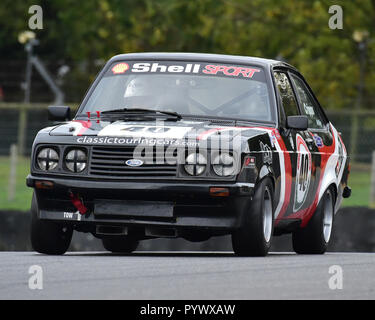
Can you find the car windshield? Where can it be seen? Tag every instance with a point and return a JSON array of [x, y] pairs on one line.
[[189, 89]]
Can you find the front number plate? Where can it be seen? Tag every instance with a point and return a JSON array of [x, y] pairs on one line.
[[133, 208]]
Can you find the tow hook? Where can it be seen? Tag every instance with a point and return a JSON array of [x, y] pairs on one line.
[[77, 203]]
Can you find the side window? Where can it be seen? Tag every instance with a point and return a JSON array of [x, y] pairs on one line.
[[287, 96], [308, 104]]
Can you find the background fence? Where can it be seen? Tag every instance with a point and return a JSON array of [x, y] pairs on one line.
[[19, 124]]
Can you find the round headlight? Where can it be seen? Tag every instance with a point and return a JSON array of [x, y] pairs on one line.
[[224, 165], [195, 164], [47, 159], [76, 160]]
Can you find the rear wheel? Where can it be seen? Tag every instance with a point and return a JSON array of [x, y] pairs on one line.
[[46, 236], [123, 244], [255, 235], [314, 238]]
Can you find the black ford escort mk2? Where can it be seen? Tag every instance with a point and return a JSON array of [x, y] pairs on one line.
[[191, 146]]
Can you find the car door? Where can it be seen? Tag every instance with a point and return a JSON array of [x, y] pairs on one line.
[[297, 161], [318, 138]]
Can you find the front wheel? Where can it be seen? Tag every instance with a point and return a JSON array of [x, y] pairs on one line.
[[46, 236], [255, 235], [314, 238]]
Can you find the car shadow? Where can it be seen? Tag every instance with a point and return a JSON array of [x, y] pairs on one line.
[[192, 254]]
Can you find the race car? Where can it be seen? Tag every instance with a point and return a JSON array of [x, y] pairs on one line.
[[192, 146]]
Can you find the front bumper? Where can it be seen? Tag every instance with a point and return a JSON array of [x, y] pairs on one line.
[[235, 189], [193, 207]]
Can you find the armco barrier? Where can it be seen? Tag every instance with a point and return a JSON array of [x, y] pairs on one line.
[[352, 232]]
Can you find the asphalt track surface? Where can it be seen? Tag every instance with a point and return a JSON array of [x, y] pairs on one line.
[[186, 275]]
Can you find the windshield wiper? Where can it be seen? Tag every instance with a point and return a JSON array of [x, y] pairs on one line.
[[137, 111]]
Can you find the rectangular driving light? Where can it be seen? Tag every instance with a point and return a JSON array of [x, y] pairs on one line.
[[44, 184], [219, 192]]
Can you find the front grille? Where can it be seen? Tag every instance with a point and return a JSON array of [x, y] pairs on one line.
[[110, 162]]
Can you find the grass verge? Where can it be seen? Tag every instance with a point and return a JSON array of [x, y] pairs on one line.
[[359, 181]]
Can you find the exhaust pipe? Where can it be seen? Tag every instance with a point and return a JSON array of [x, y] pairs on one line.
[[160, 232], [111, 230]]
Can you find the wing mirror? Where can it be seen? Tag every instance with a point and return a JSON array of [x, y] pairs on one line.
[[59, 113], [297, 122]]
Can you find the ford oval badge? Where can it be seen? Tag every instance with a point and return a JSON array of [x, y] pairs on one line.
[[134, 162]]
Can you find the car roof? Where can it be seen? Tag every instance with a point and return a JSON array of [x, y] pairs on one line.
[[201, 57]]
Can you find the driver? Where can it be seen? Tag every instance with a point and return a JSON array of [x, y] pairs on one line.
[[168, 93]]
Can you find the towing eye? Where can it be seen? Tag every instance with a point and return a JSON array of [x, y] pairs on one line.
[[77, 203]]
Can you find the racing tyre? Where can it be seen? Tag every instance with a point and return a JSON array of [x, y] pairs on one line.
[[255, 235], [46, 236], [314, 238], [123, 244]]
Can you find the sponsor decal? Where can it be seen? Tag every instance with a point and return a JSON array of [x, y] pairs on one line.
[[161, 68], [230, 70], [72, 215], [134, 163], [327, 165], [303, 173], [318, 141], [187, 68], [273, 138], [156, 131], [136, 141], [266, 153], [249, 162], [68, 215], [120, 68]]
